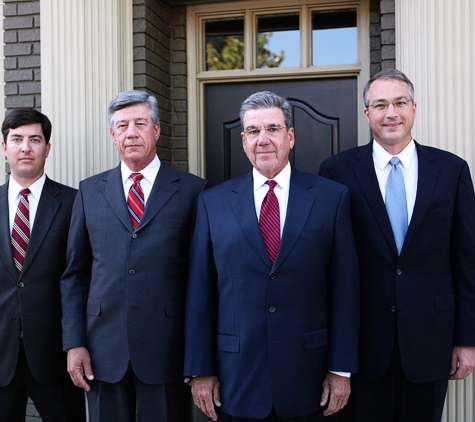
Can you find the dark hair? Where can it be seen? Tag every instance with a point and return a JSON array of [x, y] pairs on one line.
[[267, 99], [388, 74], [131, 98], [26, 116]]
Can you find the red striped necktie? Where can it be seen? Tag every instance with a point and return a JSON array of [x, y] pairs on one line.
[[135, 200], [21, 230], [269, 221]]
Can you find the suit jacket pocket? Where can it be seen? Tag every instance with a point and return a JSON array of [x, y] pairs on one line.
[[175, 308], [444, 303], [311, 234], [439, 208], [316, 339], [93, 306], [226, 343], [58, 232]]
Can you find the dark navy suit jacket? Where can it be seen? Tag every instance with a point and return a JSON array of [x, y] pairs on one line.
[[427, 294], [32, 301], [124, 290], [271, 332]]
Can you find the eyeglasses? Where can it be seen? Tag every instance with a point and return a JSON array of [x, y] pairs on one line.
[[400, 103], [271, 131]]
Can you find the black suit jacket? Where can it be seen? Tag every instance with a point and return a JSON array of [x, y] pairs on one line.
[[124, 288], [32, 300], [426, 295]]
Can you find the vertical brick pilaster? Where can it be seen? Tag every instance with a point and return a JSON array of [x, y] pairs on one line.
[[388, 34], [375, 36], [160, 68]]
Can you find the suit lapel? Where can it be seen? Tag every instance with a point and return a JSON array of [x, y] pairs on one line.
[[113, 191], [48, 206], [426, 182], [165, 186], [243, 207], [365, 174], [5, 240], [298, 207]]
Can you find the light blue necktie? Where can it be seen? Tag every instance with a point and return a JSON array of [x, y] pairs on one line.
[[396, 203]]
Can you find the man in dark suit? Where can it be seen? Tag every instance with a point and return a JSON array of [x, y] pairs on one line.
[[124, 287], [272, 302], [34, 221], [417, 275]]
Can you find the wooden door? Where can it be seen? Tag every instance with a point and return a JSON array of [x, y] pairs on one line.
[[324, 118]]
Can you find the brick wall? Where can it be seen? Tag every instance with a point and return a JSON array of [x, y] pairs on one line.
[[160, 69], [22, 54]]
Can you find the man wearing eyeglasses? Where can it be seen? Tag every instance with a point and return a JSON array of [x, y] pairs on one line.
[[413, 214], [272, 309]]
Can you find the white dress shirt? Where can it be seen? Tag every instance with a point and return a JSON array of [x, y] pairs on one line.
[[14, 189], [409, 166], [149, 174]]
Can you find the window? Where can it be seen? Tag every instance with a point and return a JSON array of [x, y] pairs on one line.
[[334, 37], [278, 41], [224, 41]]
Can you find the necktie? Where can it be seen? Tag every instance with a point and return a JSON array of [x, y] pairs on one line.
[[21, 230], [135, 200], [269, 221], [396, 204]]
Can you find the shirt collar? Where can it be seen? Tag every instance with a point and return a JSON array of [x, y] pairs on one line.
[[36, 188], [149, 173], [282, 179], [381, 156]]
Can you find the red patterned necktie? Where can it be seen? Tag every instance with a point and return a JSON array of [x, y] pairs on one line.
[[269, 221], [135, 200], [21, 230]]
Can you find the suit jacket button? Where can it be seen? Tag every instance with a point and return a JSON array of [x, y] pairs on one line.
[[272, 309], [398, 272], [131, 272], [393, 309], [16, 319], [273, 276], [21, 284], [134, 236]]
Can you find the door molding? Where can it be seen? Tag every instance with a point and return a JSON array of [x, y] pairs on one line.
[[198, 79]]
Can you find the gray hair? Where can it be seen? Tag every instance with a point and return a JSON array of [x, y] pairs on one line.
[[131, 98], [266, 99], [388, 74]]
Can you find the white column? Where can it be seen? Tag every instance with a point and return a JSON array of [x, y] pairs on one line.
[[86, 59], [435, 49]]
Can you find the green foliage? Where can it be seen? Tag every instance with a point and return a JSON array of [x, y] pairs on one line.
[[226, 53]]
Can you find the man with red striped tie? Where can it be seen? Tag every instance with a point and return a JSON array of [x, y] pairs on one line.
[[272, 311], [34, 222], [124, 288]]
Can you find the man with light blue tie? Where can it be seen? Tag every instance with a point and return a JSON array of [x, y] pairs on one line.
[[413, 214]]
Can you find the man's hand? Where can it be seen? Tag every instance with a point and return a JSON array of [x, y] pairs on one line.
[[337, 389], [205, 392], [463, 361], [79, 367]]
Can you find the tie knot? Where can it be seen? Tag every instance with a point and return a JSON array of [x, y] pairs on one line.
[[25, 192], [272, 184], [136, 177], [394, 161]]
